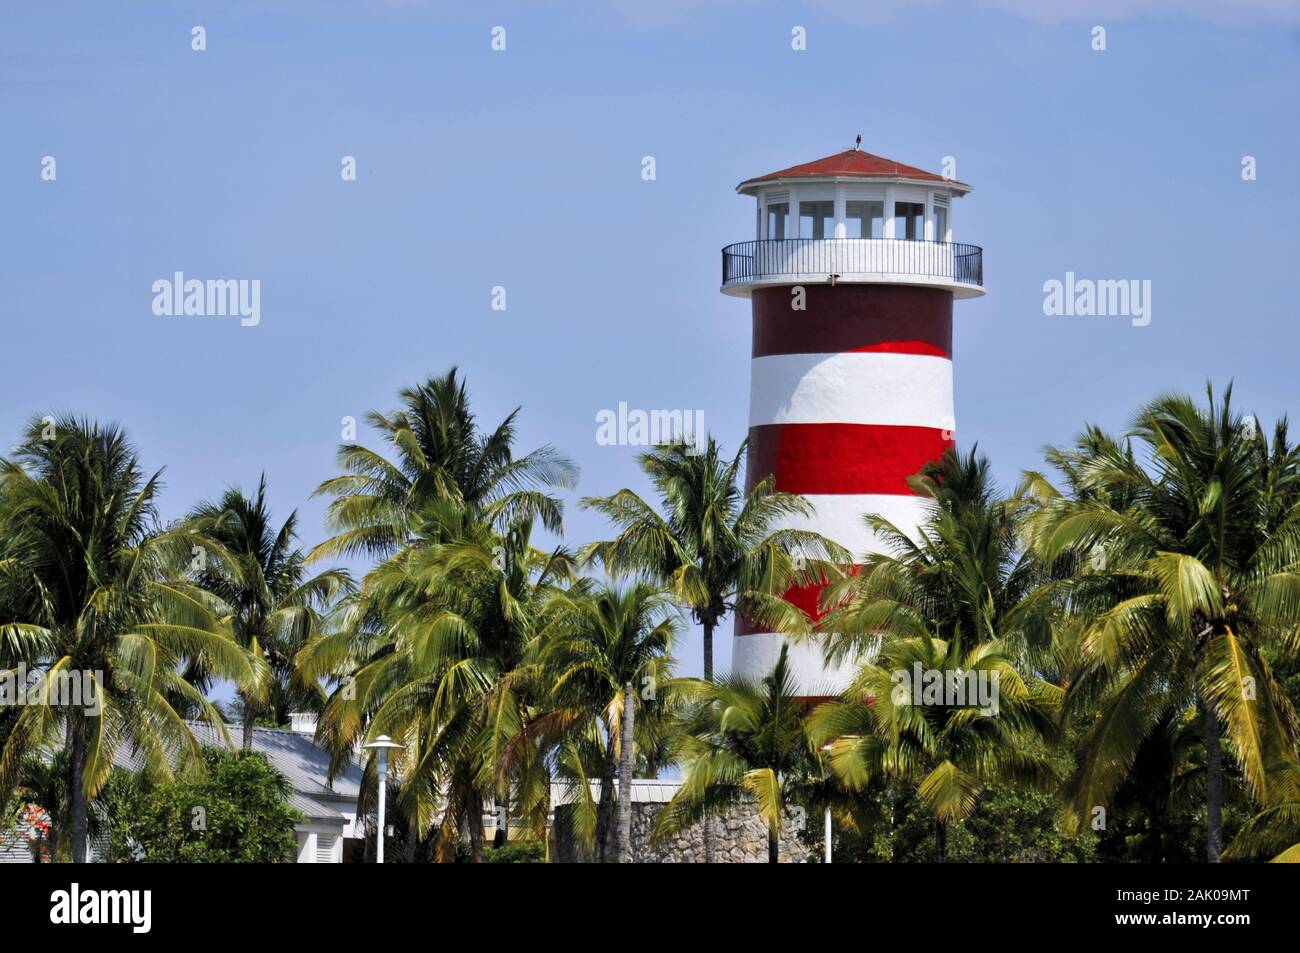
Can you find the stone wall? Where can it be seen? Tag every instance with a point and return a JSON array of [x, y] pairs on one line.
[[738, 838]]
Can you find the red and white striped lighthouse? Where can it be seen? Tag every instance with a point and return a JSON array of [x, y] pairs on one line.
[[851, 279]]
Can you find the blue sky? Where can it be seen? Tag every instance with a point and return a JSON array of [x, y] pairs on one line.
[[523, 169]]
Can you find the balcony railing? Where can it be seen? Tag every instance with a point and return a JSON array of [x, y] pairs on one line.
[[778, 261]]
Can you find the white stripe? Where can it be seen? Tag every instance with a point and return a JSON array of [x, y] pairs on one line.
[[754, 657], [913, 390], [839, 516]]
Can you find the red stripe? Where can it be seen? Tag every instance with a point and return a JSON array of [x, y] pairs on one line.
[[842, 458], [807, 598], [896, 318], [902, 347]]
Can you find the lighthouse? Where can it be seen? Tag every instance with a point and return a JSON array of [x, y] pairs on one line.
[[851, 278]]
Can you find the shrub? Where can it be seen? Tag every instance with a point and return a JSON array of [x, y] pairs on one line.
[[238, 811]]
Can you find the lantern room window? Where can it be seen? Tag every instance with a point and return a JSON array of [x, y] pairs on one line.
[[778, 215], [856, 212], [817, 219], [864, 219], [909, 220]]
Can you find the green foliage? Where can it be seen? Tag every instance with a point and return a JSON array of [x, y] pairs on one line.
[[517, 852], [1008, 825], [259, 577], [1185, 578], [438, 451], [91, 587], [602, 639], [238, 811], [1143, 621], [429, 650], [951, 752]]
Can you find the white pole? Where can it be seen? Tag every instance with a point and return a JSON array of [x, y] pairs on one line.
[[828, 835], [383, 784]]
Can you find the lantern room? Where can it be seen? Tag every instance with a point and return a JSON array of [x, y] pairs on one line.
[[853, 217]]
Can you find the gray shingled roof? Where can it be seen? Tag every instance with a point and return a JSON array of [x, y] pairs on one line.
[[296, 756]]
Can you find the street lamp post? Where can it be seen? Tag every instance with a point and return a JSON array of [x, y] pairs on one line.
[[383, 744], [826, 749], [828, 835]]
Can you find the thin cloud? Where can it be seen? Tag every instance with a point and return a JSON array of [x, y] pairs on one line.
[[644, 13]]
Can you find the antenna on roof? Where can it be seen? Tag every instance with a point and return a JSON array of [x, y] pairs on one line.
[[857, 143]]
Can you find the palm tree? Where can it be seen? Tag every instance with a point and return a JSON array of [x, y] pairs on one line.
[[461, 612], [447, 476], [743, 741], [1185, 569], [93, 595], [43, 788], [43, 783], [715, 548], [901, 718], [607, 648], [260, 577], [440, 452]]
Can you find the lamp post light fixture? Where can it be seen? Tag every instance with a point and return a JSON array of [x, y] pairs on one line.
[[383, 744]]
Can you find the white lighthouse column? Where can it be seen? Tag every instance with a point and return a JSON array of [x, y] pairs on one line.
[[844, 408]]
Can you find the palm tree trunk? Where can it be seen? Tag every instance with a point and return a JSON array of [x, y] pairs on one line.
[[249, 715], [605, 809], [708, 651], [773, 845], [77, 794], [1213, 785], [475, 811], [708, 677], [624, 838], [940, 842]]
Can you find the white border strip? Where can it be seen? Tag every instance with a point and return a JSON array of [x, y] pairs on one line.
[[910, 390], [840, 517]]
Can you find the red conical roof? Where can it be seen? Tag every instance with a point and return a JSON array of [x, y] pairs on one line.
[[854, 164]]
